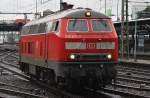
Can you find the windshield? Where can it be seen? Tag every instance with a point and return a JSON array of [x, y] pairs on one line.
[[100, 25], [77, 25]]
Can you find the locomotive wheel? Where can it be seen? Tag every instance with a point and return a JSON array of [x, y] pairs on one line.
[[46, 75], [60, 82], [38, 71], [26, 68], [109, 74], [72, 85], [51, 77]]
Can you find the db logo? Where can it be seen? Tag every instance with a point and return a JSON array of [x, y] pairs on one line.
[[91, 45]]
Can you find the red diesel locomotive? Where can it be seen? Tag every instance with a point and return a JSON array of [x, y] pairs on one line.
[[70, 48]]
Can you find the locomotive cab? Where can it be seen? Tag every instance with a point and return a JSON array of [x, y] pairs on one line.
[[88, 36]]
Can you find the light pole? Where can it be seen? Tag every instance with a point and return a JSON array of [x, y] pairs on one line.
[[105, 6], [127, 29], [36, 10], [100, 5], [117, 10], [135, 40], [122, 29], [61, 7]]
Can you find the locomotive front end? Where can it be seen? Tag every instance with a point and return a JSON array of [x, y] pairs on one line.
[[91, 51]]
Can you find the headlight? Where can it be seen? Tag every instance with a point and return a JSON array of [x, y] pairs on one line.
[[72, 56], [88, 14], [109, 56]]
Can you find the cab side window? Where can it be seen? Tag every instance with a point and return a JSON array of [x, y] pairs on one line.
[[42, 28], [49, 26], [33, 29], [31, 47], [25, 30], [55, 26]]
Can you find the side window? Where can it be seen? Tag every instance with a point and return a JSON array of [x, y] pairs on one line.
[[33, 29], [42, 28], [49, 26], [55, 26], [30, 47], [41, 48], [22, 47], [30, 30], [25, 47], [25, 30]]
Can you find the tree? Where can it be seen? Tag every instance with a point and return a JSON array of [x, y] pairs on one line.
[[144, 13]]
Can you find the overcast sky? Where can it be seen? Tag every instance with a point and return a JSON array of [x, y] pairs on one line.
[[29, 6]]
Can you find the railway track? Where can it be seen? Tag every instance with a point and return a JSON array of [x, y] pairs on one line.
[[19, 93], [10, 60], [134, 70], [13, 69], [134, 75], [64, 94], [126, 94], [133, 79], [12, 89], [143, 56], [127, 79], [124, 86]]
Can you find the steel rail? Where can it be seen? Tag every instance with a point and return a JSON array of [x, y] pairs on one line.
[[133, 70], [16, 71], [131, 87], [13, 70], [19, 93], [132, 80], [122, 93], [10, 85]]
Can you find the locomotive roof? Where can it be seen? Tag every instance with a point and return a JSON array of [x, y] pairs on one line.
[[71, 13]]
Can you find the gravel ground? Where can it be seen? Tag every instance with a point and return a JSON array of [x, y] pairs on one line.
[[147, 77], [8, 96], [133, 91], [24, 85]]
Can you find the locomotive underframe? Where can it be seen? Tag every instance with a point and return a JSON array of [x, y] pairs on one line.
[[94, 74]]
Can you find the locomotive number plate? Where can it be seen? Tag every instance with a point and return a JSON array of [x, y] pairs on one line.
[[91, 45]]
